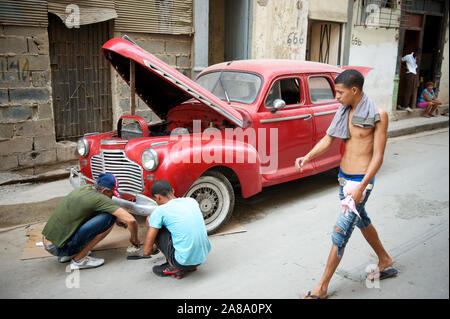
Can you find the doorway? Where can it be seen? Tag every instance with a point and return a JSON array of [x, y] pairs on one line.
[[430, 51], [412, 40], [81, 85], [324, 42], [229, 30]]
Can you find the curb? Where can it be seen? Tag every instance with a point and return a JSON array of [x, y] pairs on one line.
[[418, 128], [46, 177]]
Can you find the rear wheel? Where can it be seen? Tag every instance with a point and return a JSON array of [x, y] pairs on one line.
[[215, 195]]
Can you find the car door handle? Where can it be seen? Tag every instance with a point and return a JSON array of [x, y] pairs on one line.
[[287, 118], [325, 113]]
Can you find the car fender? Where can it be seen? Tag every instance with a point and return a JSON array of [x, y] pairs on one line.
[[185, 161]]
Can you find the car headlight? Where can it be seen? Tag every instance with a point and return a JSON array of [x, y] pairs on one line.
[[83, 147], [149, 159]]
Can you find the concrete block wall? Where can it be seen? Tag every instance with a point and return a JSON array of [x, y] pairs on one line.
[[175, 50], [27, 130]]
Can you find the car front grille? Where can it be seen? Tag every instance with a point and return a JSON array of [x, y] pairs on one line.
[[128, 173]]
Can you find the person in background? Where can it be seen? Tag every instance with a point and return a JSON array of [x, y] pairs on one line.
[[428, 101], [410, 78]]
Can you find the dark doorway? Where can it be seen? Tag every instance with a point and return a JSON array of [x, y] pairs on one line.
[[430, 50], [237, 28], [412, 40], [229, 30], [81, 84]]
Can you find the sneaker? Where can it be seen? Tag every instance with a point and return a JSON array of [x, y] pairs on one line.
[[408, 109], [64, 259], [86, 262], [166, 270]]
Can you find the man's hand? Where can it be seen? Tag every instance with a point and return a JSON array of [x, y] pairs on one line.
[[357, 194], [321, 147], [300, 161], [124, 217], [135, 242]]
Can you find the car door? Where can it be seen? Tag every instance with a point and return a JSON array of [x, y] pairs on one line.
[[293, 125], [321, 100]]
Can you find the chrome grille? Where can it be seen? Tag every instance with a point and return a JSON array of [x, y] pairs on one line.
[[128, 173]]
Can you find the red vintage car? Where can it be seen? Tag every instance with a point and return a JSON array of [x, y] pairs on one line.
[[238, 128]]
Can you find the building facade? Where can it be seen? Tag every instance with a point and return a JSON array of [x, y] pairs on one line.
[[372, 33], [55, 86]]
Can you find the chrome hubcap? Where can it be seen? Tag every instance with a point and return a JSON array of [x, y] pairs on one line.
[[208, 201]]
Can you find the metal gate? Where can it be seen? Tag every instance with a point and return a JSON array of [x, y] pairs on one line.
[[324, 42], [81, 84]]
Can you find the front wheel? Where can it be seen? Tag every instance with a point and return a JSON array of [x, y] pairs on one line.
[[215, 195]]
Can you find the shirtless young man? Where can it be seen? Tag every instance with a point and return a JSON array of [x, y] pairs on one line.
[[363, 156]]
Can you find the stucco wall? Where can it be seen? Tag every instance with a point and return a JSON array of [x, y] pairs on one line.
[[279, 29], [376, 48], [443, 87]]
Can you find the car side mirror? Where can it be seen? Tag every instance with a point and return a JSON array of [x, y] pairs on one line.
[[278, 104]]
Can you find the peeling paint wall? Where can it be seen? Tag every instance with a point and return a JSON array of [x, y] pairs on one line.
[[376, 48], [279, 29]]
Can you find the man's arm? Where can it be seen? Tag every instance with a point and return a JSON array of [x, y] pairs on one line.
[[124, 217], [320, 148], [379, 145], [152, 232]]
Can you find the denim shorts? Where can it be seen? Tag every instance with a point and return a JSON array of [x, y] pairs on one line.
[[347, 223], [84, 235]]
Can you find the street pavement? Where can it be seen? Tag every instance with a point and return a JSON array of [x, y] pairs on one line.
[[283, 252]]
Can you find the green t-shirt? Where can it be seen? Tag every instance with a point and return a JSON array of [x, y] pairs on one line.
[[73, 211]]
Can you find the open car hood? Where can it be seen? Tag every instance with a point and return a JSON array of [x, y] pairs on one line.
[[160, 86]]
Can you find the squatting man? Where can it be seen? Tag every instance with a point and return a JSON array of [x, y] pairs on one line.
[[87, 215], [82, 219]]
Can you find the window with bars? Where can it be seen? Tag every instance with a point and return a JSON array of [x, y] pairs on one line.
[[382, 13]]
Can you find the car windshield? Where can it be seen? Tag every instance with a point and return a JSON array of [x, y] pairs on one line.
[[231, 86]]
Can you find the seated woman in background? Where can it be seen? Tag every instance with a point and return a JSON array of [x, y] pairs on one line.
[[428, 101]]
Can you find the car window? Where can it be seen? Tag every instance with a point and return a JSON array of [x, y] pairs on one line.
[[241, 87], [286, 89], [320, 89]]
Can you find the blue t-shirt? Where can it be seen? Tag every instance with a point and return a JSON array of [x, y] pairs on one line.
[[184, 220]]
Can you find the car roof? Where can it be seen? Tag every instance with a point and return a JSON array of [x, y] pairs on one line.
[[273, 67]]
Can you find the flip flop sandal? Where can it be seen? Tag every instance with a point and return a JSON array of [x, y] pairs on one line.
[[308, 295], [138, 257], [387, 273]]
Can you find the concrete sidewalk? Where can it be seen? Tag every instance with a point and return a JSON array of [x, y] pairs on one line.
[[404, 126], [416, 124]]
